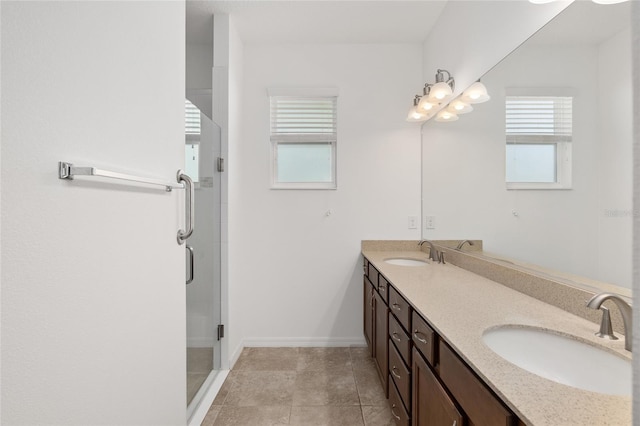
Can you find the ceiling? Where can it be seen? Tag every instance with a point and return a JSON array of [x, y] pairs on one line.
[[302, 21]]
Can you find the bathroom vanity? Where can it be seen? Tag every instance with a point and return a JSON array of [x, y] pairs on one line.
[[424, 324]]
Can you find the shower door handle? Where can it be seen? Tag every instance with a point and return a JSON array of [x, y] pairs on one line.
[[190, 264], [189, 208]]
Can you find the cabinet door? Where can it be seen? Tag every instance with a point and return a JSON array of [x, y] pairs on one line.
[[381, 339], [369, 313], [431, 406], [477, 401]]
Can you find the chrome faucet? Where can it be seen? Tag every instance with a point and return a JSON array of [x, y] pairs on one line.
[[459, 248], [433, 253], [625, 309]]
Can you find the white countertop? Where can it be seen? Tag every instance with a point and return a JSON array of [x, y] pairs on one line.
[[462, 305]]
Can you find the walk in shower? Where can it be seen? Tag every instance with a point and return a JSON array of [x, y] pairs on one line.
[[203, 255]]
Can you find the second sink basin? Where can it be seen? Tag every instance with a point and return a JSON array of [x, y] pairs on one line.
[[562, 359], [402, 261]]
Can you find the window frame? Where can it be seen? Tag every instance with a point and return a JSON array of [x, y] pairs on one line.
[[330, 139], [563, 144]]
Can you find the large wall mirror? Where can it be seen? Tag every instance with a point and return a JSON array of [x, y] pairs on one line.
[[583, 54]]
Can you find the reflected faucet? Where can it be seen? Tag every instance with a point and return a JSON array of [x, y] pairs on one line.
[[459, 248], [433, 253], [625, 309]]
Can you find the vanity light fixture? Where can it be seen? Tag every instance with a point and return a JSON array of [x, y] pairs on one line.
[[445, 116], [475, 94], [425, 105], [415, 115], [443, 88], [458, 106]]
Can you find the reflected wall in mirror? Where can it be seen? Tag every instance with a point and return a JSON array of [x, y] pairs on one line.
[[584, 52]]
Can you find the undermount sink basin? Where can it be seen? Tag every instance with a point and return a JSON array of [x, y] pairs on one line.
[[403, 261], [561, 359]]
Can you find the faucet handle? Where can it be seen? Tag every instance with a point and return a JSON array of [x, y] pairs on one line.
[[606, 330]]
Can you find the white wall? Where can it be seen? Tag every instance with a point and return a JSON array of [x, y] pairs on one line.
[[615, 106], [199, 59], [233, 227], [470, 36], [93, 315], [296, 272]]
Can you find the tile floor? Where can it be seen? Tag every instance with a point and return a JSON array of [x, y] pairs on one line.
[[301, 386]]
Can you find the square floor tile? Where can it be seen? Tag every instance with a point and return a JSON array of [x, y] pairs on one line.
[[325, 388], [253, 416], [326, 416], [253, 388]]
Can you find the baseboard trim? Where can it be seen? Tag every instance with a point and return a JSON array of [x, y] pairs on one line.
[[303, 342]]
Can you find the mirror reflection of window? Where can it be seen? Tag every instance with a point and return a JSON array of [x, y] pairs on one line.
[[539, 132]]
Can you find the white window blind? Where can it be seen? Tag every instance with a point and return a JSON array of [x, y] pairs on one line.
[[191, 119], [538, 119], [303, 119]]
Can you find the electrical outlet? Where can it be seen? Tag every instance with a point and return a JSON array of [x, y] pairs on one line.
[[413, 222], [430, 222]]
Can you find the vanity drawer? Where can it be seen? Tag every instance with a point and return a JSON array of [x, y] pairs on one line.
[[424, 338], [477, 401], [400, 339], [400, 375], [399, 414], [383, 288], [373, 276], [400, 308]]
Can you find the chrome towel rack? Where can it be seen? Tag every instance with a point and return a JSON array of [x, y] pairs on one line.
[[69, 171]]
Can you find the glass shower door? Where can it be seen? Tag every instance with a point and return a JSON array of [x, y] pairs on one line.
[[202, 148]]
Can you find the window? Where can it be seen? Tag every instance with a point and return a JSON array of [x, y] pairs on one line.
[[303, 139], [192, 140], [539, 134]]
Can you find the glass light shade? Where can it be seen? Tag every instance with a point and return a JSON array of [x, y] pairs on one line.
[[609, 1], [475, 94], [440, 91], [445, 115], [426, 105], [457, 106], [416, 116]]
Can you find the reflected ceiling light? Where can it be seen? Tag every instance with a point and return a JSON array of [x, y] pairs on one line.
[[443, 88], [475, 94], [457, 106], [446, 115], [415, 115], [609, 1]]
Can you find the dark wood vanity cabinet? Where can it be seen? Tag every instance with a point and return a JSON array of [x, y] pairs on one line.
[[369, 312], [376, 321], [426, 381], [432, 405], [381, 333]]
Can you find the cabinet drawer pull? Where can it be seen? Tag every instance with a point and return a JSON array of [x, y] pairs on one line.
[[417, 335], [382, 288], [455, 422], [393, 413], [393, 371], [395, 336], [396, 307]]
